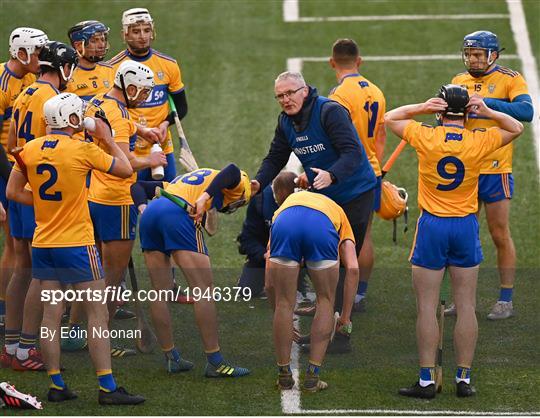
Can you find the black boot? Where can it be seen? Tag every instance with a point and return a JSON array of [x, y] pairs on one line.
[[417, 391], [464, 390]]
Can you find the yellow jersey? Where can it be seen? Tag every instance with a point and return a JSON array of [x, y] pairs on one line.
[[323, 204], [106, 188], [87, 82], [57, 166], [28, 111], [10, 88], [191, 186], [168, 80], [449, 165], [366, 105], [499, 83]]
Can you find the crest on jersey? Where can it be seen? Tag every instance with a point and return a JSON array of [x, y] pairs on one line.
[[491, 88], [160, 75]]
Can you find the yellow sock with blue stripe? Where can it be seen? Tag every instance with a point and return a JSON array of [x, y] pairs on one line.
[[56, 380], [427, 376], [463, 374], [505, 294], [106, 380]]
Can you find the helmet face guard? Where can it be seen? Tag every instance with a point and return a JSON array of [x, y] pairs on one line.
[[481, 45], [90, 32], [135, 17]]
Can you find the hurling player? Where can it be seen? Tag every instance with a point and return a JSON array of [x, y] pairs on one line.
[[57, 62], [447, 232], [506, 91], [139, 32]]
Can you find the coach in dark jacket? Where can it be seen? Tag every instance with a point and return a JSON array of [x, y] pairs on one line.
[[320, 132]]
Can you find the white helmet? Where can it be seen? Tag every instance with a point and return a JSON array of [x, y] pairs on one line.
[[27, 38], [134, 16], [136, 74], [59, 108]]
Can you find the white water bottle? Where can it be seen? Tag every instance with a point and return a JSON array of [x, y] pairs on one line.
[[157, 172]]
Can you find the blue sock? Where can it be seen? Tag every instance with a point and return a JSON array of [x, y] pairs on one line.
[[362, 288], [313, 368], [106, 380], [173, 354], [56, 380], [505, 294], [2, 307], [285, 369], [427, 375], [215, 359], [463, 374]]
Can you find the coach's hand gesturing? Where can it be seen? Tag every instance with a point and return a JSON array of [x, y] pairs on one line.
[[322, 180]]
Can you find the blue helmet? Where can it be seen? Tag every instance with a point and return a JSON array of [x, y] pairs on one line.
[[481, 39], [83, 31]]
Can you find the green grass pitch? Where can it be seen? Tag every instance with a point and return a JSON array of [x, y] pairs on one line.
[[230, 53]]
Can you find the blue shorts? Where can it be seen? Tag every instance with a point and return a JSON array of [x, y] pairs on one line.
[[67, 264], [113, 223], [300, 233], [441, 242], [377, 194], [169, 171], [167, 227], [495, 187], [22, 221]]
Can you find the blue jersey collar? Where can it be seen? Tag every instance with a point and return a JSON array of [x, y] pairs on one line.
[[47, 82], [11, 73], [349, 75], [138, 58], [58, 132], [451, 125]]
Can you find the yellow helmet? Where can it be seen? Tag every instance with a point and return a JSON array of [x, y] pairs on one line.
[[393, 201]]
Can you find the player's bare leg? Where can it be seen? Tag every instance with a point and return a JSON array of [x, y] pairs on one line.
[[158, 265], [427, 284], [18, 285], [116, 256], [325, 282], [464, 282], [33, 309], [366, 260], [197, 270], [6, 264], [284, 285], [52, 316], [498, 219], [159, 269], [98, 317]]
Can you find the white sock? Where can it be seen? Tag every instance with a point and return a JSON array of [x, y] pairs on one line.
[[11, 349], [425, 383], [22, 353]]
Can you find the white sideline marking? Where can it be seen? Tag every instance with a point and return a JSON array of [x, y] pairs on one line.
[[408, 412], [290, 399], [297, 63], [291, 13], [530, 72]]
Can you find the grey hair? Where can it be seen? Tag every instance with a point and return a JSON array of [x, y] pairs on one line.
[[291, 75]]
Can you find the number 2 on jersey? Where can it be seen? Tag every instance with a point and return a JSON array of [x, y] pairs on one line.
[[43, 189]]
